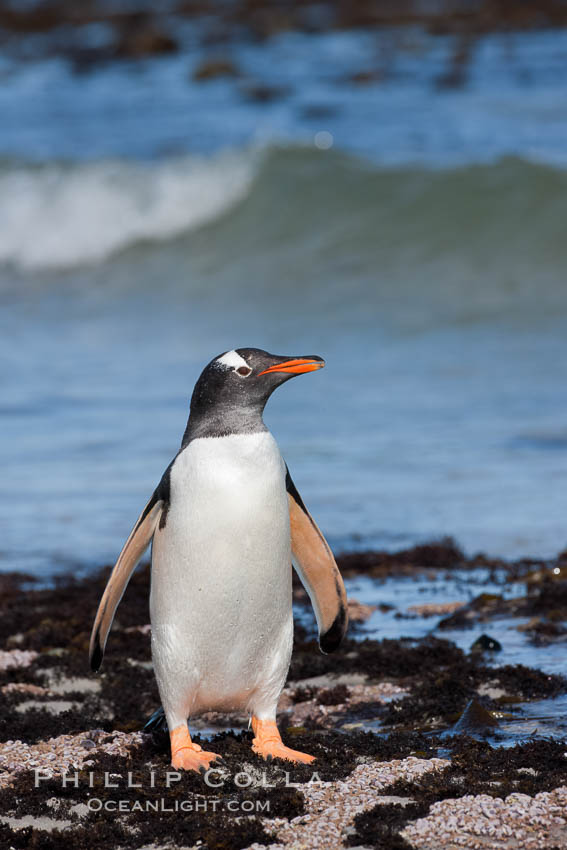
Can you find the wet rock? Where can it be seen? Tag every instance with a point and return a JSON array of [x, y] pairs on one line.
[[546, 595], [37, 19], [366, 77], [456, 74], [475, 718], [481, 608], [358, 612], [438, 698], [543, 632], [542, 627], [435, 609], [485, 643], [552, 599], [266, 21], [212, 69], [546, 574], [262, 92], [148, 39]]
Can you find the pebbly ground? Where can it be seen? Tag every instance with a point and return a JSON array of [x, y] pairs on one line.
[[76, 769]]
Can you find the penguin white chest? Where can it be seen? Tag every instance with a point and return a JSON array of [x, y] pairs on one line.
[[221, 575]]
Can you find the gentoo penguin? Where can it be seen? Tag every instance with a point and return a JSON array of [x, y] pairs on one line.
[[226, 521]]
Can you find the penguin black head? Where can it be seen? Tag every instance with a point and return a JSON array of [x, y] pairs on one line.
[[232, 390]]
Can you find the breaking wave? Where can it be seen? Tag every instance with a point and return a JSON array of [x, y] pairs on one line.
[[60, 215]]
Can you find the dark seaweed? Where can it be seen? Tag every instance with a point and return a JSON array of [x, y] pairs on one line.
[[441, 679], [380, 826]]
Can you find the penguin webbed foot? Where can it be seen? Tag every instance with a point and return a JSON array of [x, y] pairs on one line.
[[185, 755], [268, 744], [280, 751], [190, 759]]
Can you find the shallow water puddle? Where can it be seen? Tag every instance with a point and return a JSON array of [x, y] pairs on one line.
[[403, 592], [522, 720], [540, 719]]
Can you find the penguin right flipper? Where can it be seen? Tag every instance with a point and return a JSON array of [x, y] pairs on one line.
[[133, 550], [318, 571]]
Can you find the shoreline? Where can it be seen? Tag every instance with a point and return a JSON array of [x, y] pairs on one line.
[[409, 733]]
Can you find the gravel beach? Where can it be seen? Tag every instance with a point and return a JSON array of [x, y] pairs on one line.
[[414, 738]]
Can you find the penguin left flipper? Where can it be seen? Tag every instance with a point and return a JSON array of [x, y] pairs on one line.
[[318, 571], [133, 550]]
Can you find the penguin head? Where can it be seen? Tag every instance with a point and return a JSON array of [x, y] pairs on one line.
[[237, 384], [248, 376]]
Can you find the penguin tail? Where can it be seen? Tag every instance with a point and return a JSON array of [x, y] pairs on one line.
[[157, 722]]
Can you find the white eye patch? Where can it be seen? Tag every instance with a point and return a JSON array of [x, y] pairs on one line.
[[232, 360]]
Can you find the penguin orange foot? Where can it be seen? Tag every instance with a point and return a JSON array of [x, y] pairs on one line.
[[268, 743], [186, 755]]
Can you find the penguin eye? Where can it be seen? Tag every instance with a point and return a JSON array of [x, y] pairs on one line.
[[244, 371]]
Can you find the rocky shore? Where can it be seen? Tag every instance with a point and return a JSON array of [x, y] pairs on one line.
[[96, 31], [399, 729]]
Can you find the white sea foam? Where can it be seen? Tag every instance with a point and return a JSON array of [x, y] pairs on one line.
[[60, 215]]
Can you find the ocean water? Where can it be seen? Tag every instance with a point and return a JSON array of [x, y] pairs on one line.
[[412, 235]]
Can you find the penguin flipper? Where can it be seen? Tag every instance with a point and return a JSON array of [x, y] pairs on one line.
[[133, 550], [318, 571]]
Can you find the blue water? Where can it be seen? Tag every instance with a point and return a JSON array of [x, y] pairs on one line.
[[514, 100], [148, 222]]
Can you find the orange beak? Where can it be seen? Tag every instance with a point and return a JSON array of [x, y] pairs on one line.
[[296, 367]]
